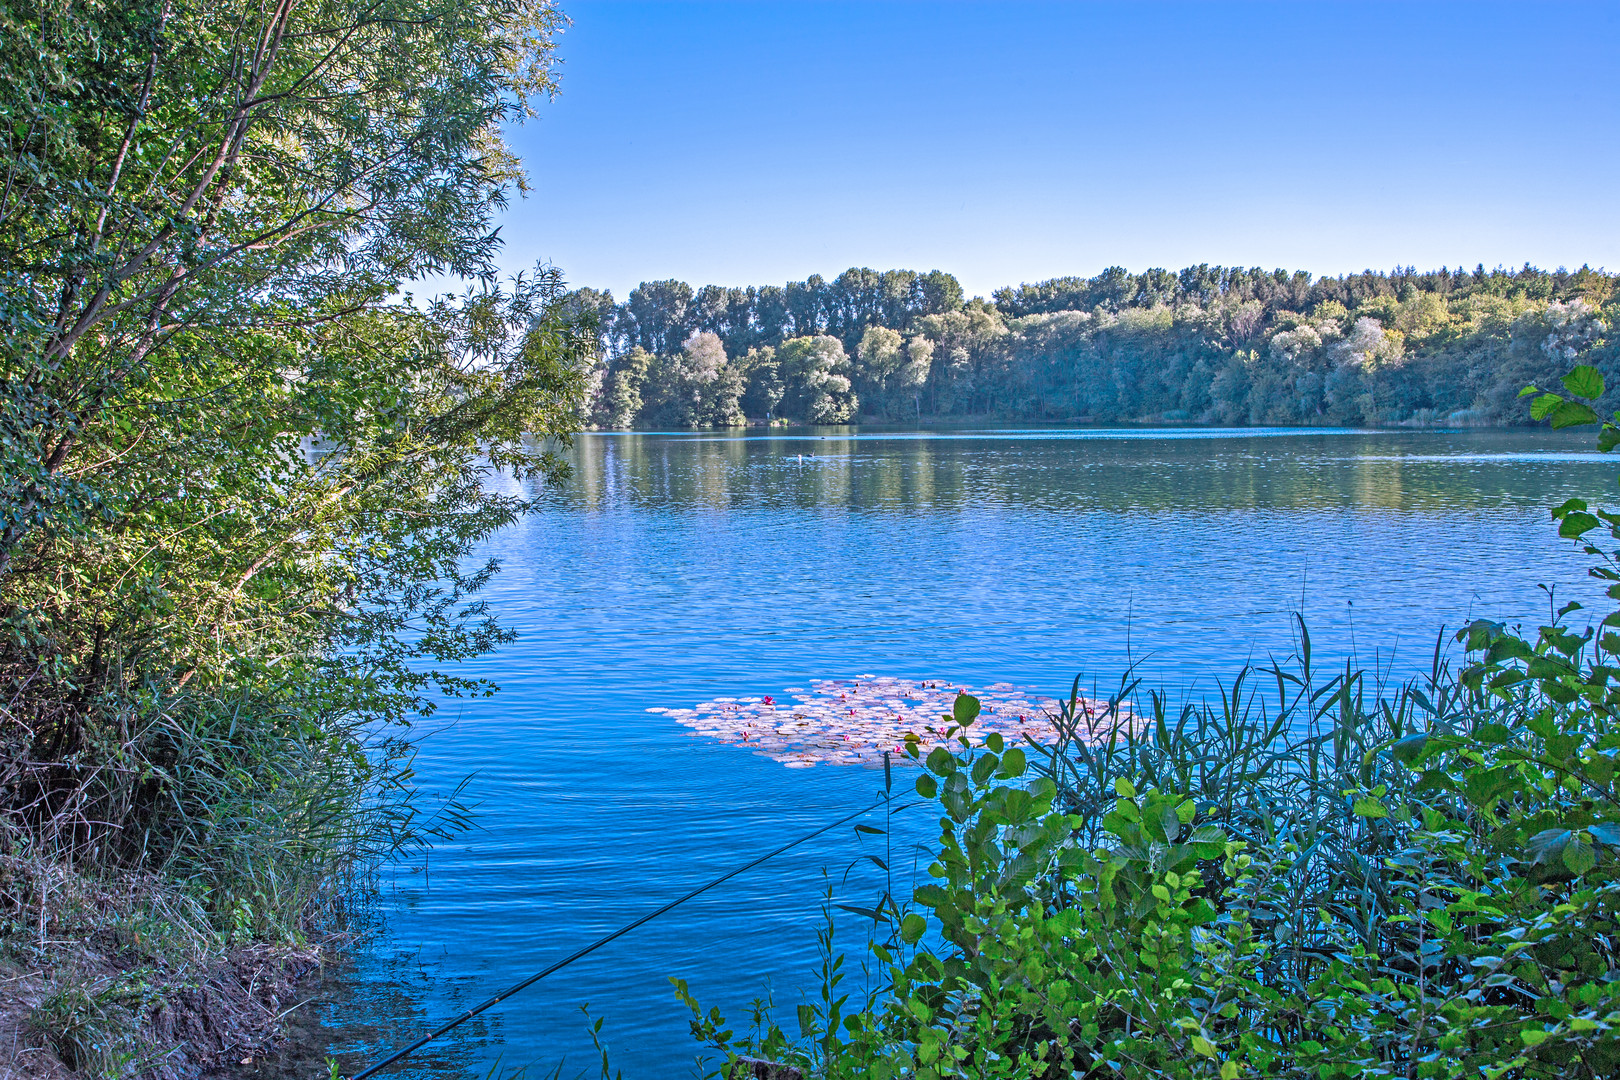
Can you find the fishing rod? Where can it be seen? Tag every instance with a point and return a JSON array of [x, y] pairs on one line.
[[599, 942]]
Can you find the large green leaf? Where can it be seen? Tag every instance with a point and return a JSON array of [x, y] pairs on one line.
[[1542, 407], [1573, 414], [1579, 856], [1547, 845], [1369, 807], [1584, 381], [1408, 750], [1013, 764]]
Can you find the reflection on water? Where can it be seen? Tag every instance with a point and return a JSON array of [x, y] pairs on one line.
[[684, 567], [1130, 469]]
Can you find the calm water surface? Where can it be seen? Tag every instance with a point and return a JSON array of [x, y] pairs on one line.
[[675, 568]]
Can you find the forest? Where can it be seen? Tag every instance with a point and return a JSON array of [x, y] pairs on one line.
[[1207, 344]]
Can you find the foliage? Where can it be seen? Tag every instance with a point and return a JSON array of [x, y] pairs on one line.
[[816, 372], [1307, 877], [697, 387], [241, 473], [1209, 344]]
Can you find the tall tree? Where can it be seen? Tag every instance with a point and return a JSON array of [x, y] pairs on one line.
[[816, 372], [233, 463], [881, 354]]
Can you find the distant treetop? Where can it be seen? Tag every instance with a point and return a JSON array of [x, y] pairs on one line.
[[1210, 344]]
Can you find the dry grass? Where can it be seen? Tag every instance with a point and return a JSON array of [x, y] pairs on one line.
[[120, 975]]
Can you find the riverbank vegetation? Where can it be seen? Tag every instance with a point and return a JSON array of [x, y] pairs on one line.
[[1208, 344], [241, 475], [1313, 875]]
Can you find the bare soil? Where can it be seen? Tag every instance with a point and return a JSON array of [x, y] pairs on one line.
[[201, 1025]]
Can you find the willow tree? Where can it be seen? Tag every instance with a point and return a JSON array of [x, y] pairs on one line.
[[240, 463]]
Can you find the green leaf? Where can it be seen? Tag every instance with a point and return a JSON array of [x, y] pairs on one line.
[[1573, 414], [1543, 406], [1123, 788], [1546, 845], [983, 766], [965, 710], [912, 928], [1170, 822], [927, 786], [1408, 750], [1013, 764], [1566, 506], [940, 761], [1368, 807], [1508, 647], [1484, 785], [1575, 524], [1434, 780], [956, 800], [1203, 1046], [1548, 667], [1579, 857], [1605, 832], [1585, 381], [1533, 1036]]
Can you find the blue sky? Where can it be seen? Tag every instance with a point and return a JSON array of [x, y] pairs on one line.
[[754, 142]]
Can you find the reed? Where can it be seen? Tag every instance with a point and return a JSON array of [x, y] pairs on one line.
[[262, 813], [171, 862]]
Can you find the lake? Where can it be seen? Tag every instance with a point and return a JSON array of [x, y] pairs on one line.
[[675, 568]]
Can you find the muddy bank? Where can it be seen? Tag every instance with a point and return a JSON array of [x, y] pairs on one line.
[[120, 1013], [122, 975]]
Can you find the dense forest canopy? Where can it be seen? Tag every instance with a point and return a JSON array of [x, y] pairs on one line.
[[1208, 344]]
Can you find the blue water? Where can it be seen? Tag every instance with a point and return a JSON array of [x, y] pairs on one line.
[[675, 568]]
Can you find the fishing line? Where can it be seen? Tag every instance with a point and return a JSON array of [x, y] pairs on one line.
[[599, 942]]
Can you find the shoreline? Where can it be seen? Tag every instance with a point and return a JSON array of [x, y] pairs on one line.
[[120, 975]]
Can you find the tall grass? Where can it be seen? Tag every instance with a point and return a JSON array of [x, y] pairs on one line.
[[261, 812], [1301, 875], [1269, 758]]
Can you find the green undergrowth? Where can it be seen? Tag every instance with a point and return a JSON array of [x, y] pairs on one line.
[[171, 860], [1313, 875], [181, 833]]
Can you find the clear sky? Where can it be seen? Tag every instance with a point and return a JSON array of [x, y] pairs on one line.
[[758, 142]]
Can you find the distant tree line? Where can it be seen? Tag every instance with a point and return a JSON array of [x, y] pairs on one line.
[[1208, 344]]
